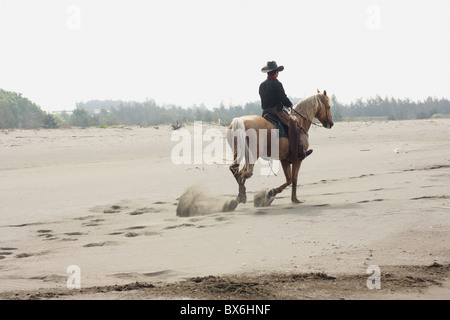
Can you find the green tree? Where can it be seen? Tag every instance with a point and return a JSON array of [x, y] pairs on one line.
[[336, 110], [65, 116], [79, 118], [50, 121], [7, 119], [19, 112]]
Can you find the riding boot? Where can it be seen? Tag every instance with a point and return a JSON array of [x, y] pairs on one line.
[[304, 154]]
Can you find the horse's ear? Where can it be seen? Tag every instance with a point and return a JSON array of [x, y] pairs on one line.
[[318, 91], [325, 93]]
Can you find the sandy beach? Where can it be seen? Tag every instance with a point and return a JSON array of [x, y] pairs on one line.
[[376, 193]]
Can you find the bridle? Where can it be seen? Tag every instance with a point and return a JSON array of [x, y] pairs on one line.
[[327, 120], [318, 111]]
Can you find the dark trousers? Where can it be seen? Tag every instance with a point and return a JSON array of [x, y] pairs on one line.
[[295, 141]]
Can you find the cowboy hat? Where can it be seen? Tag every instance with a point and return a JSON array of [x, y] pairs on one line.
[[271, 66]]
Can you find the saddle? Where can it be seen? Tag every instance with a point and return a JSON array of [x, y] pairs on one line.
[[275, 120]]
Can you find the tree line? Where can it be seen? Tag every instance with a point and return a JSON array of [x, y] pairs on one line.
[[19, 112], [391, 109]]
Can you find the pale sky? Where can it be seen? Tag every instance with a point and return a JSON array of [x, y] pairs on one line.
[[185, 52]]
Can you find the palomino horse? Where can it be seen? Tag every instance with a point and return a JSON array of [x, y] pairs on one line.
[[304, 112]]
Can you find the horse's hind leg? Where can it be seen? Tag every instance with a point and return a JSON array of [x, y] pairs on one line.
[[243, 175], [242, 196], [247, 171], [240, 177], [234, 168]]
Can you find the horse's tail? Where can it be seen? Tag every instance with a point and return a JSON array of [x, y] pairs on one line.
[[237, 139]]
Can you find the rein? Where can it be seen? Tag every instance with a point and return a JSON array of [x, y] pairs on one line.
[[310, 121], [301, 115]]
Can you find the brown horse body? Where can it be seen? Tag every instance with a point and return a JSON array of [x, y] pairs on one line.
[[317, 106]]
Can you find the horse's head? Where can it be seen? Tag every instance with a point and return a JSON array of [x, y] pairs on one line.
[[323, 113]]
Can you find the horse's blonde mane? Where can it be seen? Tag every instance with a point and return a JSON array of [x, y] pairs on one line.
[[308, 107]]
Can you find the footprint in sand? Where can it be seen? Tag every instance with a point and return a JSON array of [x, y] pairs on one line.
[[74, 233], [29, 254], [136, 227], [151, 233], [50, 278], [25, 224], [115, 233], [260, 212], [6, 251], [144, 210], [135, 275], [374, 200], [46, 235], [114, 209], [132, 234], [98, 244], [24, 255], [221, 218], [430, 197], [180, 225], [2, 254], [84, 218], [44, 231], [93, 223]]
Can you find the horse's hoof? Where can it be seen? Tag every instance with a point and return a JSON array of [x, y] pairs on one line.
[[230, 205], [272, 193], [263, 198], [241, 199], [295, 200]]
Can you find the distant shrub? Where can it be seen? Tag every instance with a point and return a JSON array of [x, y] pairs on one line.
[[50, 121], [177, 125]]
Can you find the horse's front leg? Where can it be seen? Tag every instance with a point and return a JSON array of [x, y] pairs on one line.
[[295, 169], [242, 196], [288, 174]]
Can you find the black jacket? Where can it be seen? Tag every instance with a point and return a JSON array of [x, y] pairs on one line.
[[272, 95]]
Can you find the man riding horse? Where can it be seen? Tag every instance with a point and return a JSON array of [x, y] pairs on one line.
[[273, 101], [250, 136]]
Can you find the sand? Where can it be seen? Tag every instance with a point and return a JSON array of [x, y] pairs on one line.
[[105, 200]]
